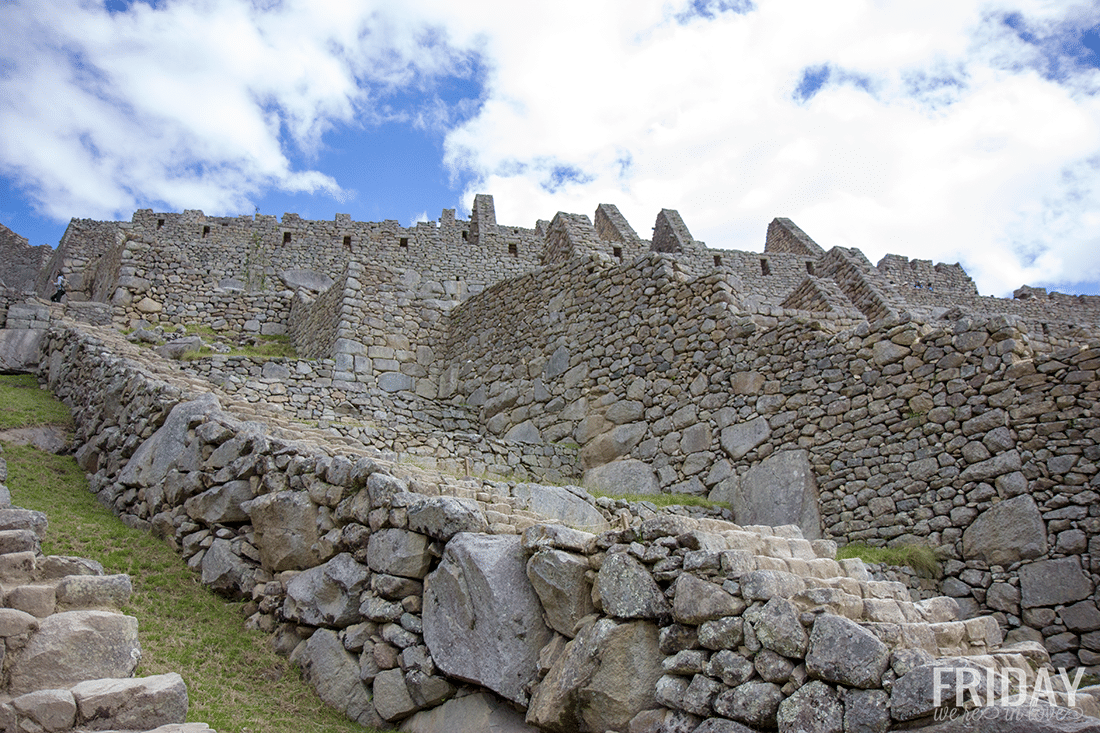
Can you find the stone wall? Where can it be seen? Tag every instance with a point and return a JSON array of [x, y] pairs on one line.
[[68, 653], [20, 262], [410, 596]]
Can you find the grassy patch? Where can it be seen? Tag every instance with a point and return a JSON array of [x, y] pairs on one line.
[[665, 499], [24, 404], [921, 558], [235, 682]]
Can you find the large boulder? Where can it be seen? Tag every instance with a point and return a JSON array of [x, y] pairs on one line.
[[74, 646], [625, 476], [398, 552], [226, 572], [442, 517], [1007, 532], [137, 704], [307, 279], [559, 579], [627, 590], [482, 619], [150, 462], [334, 672], [327, 595], [286, 530], [555, 504], [698, 601], [738, 440], [221, 504], [603, 678], [1053, 582], [478, 712], [19, 349], [843, 652], [780, 490]]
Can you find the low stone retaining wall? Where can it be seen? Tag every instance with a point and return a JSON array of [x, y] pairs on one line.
[[68, 654], [435, 601]]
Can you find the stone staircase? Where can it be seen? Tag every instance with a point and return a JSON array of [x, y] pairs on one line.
[[68, 653]]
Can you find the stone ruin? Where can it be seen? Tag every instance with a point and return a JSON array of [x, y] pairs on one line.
[[401, 504]]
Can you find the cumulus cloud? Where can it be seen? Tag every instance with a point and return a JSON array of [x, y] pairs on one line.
[[958, 131], [196, 103]]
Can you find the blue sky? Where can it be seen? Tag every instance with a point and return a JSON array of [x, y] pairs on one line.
[[958, 131]]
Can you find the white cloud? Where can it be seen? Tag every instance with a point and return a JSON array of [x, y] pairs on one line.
[[950, 129], [196, 104], [940, 133]]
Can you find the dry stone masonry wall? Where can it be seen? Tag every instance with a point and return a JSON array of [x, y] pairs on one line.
[[456, 362]]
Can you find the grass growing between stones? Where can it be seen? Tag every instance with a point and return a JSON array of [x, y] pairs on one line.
[[24, 404], [235, 682], [921, 558], [663, 500]]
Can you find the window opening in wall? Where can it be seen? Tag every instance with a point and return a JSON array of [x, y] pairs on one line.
[[765, 268], [205, 231], [286, 237], [160, 223], [717, 260], [404, 242], [617, 251], [464, 233], [809, 268], [513, 249], [347, 241]]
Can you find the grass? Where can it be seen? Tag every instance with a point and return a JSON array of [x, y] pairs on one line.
[[235, 682], [268, 347], [921, 558], [24, 404], [663, 500]]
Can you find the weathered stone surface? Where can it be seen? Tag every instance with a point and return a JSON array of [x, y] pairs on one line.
[[753, 703], [627, 590], [226, 572], [777, 627], [555, 504], [150, 462], [723, 633], [398, 552], [482, 619], [608, 446], [19, 349], [132, 704], [108, 592], [914, 693], [697, 601], [866, 711], [15, 623], [335, 674], [442, 517], [559, 579], [391, 697], [814, 708], [558, 537], [603, 678], [1007, 532], [738, 440], [477, 712], [305, 278], [176, 348], [1079, 617], [286, 530], [1050, 582], [327, 595], [74, 646], [624, 476], [780, 490], [221, 504], [24, 519], [53, 710], [843, 652]]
